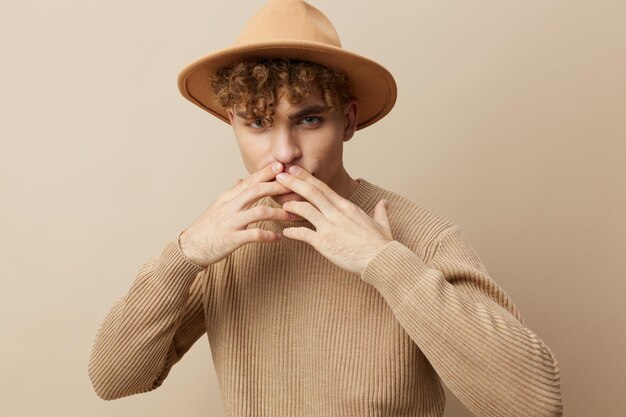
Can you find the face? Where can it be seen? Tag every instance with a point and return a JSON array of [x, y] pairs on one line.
[[304, 134]]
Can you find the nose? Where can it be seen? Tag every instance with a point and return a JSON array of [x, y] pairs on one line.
[[285, 145]]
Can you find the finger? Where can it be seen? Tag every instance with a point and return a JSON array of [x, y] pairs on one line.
[[256, 235], [300, 233], [305, 210], [381, 217], [258, 213], [231, 189], [308, 177], [251, 194], [265, 174], [309, 191]]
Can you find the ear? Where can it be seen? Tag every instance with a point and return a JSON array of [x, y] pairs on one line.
[[350, 115], [230, 115]]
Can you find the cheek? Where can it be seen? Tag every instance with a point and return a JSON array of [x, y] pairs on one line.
[[249, 163], [325, 156], [253, 157]]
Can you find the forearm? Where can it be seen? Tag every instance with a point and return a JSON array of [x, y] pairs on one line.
[[135, 338], [493, 363]]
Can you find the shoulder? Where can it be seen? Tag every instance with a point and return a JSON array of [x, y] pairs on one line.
[[412, 224]]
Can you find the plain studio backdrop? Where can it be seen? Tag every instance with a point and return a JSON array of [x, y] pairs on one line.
[[510, 121]]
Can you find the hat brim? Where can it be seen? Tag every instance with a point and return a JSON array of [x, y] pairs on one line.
[[372, 84]]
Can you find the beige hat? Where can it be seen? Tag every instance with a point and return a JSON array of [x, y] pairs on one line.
[[294, 29]]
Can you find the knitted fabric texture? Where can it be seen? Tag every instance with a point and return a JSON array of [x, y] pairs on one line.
[[292, 334]]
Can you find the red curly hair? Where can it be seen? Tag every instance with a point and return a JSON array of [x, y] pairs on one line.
[[254, 83]]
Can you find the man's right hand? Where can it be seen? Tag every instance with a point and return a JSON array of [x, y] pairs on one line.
[[222, 227]]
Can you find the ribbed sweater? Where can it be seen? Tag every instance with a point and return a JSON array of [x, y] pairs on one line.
[[293, 335]]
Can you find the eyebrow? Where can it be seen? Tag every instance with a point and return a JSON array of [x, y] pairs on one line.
[[313, 109]]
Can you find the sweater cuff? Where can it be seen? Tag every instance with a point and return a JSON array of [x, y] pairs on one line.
[[174, 260], [395, 268]]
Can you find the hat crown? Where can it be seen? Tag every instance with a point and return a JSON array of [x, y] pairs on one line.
[[293, 20], [296, 30]]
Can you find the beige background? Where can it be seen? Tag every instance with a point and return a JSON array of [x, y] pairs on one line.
[[510, 121]]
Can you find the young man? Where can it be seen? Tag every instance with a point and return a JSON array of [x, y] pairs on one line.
[[349, 309]]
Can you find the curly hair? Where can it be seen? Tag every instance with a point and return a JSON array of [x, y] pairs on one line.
[[253, 84]]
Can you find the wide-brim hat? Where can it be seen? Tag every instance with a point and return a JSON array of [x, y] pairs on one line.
[[293, 29]]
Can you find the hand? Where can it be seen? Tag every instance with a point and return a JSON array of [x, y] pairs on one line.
[[222, 227], [344, 234]]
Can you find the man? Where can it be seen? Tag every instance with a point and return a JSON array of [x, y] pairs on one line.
[[350, 308]]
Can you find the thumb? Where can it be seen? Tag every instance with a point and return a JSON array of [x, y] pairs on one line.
[[381, 217]]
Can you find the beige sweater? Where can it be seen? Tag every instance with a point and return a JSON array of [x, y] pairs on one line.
[[293, 335]]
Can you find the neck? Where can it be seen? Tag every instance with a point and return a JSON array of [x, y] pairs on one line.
[[343, 184]]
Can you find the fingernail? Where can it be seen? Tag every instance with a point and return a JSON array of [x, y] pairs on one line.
[[281, 176], [294, 169], [276, 167]]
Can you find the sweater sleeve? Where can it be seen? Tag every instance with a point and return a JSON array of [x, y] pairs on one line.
[[468, 328], [151, 327]]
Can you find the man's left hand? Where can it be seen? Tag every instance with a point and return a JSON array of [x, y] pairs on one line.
[[344, 233]]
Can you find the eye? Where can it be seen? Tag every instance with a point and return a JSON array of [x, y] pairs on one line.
[[315, 120], [255, 125]]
